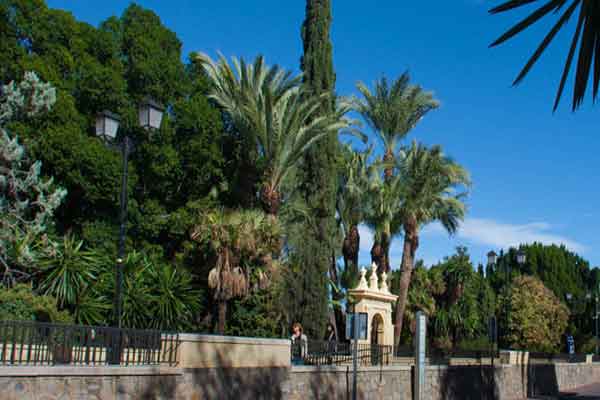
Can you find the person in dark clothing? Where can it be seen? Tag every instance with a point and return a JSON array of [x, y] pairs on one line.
[[330, 342]]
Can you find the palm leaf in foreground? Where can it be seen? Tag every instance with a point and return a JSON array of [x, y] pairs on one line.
[[586, 37]]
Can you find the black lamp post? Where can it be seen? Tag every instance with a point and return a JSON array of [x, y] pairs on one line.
[[107, 125]]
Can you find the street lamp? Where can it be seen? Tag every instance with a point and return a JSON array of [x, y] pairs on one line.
[[521, 257], [150, 114], [492, 257], [107, 124]]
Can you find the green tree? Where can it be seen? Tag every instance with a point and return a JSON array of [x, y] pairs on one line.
[[587, 33], [391, 111], [242, 244], [537, 318], [27, 201], [315, 174], [431, 191], [267, 104], [21, 303]]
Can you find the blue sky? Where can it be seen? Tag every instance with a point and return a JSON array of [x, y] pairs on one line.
[[535, 173]]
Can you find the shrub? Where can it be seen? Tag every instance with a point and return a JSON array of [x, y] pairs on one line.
[[20, 303]]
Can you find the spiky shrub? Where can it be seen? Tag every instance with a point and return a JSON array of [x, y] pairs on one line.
[[243, 244], [27, 201]]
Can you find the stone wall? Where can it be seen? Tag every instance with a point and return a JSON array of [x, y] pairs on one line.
[[227, 368]]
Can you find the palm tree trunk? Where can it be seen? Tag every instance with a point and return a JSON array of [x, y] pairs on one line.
[[385, 259], [337, 309], [388, 172], [222, 316], [377, 254], [270, 199], [411, 243]]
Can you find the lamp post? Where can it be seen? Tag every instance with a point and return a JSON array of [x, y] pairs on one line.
[[588, 297], [107, 124]]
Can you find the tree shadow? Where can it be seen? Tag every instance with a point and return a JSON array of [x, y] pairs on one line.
[[229, 383], [541, 380], [469, 382]]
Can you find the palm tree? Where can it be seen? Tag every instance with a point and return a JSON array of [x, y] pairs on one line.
[[430, 189], [392, 110], [587, 36], [350, 201], [243, 243], [382, 208], [269, 106]]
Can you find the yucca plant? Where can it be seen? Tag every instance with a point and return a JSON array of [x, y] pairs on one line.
[[68, 270], [268, 105]]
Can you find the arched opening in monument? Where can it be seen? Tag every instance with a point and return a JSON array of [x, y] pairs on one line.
[[377, 330]]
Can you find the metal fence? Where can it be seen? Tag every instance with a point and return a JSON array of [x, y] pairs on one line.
[[315, 352], [37, 343], [550, 358]]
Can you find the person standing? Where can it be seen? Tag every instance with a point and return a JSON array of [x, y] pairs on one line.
[[299, 344]]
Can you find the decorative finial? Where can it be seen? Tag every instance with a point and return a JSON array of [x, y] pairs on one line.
[[384, 285], [374, 280], [362, 284]]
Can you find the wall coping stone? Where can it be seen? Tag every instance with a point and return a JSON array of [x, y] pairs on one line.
[[105, 370], [334, 368], [194, 337]]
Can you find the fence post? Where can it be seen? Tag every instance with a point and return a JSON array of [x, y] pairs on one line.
[[420, 355]]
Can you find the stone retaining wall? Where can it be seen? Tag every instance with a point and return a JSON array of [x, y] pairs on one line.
[[228, 368]]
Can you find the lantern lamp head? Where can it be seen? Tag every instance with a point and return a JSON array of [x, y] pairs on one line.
[[150, 114], [107, 125], [492, 257]]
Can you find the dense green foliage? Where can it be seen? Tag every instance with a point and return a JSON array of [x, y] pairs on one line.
[[316, 180], [20, 303], [537, 317], [172, 173]]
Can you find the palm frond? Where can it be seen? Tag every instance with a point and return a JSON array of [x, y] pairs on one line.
[[586, 37]]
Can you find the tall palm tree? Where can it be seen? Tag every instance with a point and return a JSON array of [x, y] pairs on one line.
[[586, 36], [243, 243], [431, 188], [392, 110], [268, 105], [382, 208], [350, 201]]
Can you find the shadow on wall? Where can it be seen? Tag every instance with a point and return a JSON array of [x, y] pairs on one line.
[[235, 383], [477, 382], [541, 380], [326, 384]]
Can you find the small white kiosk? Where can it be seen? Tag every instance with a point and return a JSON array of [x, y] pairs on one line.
[[376, 300]]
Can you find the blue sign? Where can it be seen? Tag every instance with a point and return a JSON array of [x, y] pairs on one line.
[[362, 326], [570, 344]]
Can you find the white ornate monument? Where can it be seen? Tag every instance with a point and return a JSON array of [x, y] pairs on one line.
[[376, 300]]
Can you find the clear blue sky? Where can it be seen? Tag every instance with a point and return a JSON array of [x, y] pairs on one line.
[[535, 174]]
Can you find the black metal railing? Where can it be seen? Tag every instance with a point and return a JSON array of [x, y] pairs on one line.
[[37, 343], [550, 358], [443, 355], [315, 352]]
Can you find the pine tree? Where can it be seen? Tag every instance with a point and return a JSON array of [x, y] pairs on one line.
[[315, 249]]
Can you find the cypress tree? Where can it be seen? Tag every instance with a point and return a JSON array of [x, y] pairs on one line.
[[315, 249]]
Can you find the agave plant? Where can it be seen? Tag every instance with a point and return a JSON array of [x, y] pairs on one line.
[[269, 106], [243, 243]]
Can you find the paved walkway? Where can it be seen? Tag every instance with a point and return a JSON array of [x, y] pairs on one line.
[[590, 392]]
